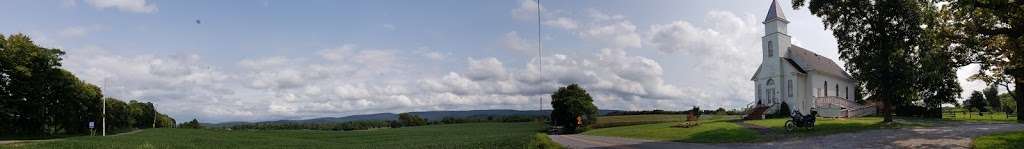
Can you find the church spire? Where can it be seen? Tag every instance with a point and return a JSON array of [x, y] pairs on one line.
[[775, 12]]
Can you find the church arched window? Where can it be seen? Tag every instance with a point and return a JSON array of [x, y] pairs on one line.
[[771, 50], [789, 87], [771, 90], [825, 88]]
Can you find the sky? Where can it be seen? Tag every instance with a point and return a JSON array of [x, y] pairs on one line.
[[257, 60]]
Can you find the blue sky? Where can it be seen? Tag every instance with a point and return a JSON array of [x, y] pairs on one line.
[[270, 59]]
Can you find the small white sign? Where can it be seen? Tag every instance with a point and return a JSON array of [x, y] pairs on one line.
[[92, 125]]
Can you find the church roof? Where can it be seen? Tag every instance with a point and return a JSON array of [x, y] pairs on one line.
[[795, 65], [775, 12], [810, 61]]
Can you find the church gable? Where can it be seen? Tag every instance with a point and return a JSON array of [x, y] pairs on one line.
[[811, 61], [757, 72]]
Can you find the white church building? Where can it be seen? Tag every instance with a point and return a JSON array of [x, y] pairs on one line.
[[802, 79]]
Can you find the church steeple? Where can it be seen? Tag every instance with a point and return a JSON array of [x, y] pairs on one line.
[[776, 39], [775, 13], [775, 22]]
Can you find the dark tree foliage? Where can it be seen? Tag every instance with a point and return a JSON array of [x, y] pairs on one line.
[[37, 97], [194, 124], [411, 120], [992, 97], [784, 111], [894, 49], [572, 102], [994, 32], [695, 110], [976, 101]]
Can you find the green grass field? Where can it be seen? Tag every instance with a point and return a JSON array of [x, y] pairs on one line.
[[822, 125], [713, 129], [1000, 141], [472, 135]]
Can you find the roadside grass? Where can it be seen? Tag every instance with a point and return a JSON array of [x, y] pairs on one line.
[[542, 141], [629, 120], [1000, 140], [471, 135], [718, 131]]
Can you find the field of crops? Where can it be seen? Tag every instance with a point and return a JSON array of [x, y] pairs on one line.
[[472, 135]]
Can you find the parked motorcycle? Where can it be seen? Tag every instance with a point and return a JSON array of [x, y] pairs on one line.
[[801, 121]]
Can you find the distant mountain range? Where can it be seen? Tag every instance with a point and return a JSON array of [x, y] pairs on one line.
[[429, 115]]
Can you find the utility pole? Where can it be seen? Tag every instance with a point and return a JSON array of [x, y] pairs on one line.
[[540, 59], [106, 82]]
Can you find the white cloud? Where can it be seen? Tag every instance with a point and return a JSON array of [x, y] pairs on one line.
[[527, 10], [78, 31], [73, 32], [613, 31], [513, 42], [968, 86], [138, 6], [726, 50], [486, 69], [562, 22]]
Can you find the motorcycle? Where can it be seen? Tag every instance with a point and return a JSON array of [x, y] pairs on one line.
[[801, 121]]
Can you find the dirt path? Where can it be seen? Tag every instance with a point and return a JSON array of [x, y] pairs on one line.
[[951, 136], [2, 142]]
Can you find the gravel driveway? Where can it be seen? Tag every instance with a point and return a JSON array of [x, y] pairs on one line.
[[950, 136]]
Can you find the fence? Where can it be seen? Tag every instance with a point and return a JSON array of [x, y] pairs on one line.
[[963, 114]]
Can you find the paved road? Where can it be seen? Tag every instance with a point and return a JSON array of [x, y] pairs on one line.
[[952, 136]]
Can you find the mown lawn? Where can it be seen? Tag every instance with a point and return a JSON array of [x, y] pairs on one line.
[[1000, 140], [473, 135], [706, 132], [822, 126]]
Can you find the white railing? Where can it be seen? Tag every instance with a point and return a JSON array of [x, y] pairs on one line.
[[850, 108], [861, 111]]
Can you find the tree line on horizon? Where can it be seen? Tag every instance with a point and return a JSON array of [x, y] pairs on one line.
[[38, 97]]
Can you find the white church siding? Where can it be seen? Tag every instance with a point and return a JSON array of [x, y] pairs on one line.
[[798, 75]]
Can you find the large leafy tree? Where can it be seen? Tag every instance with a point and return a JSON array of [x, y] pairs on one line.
[[37, 97], [888, 47], [27, 93], [571, 103], [994, 29]]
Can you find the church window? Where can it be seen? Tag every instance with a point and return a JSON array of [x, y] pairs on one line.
[[771, 90], [825, 89], [847, 92], [771, 51], [837, 89], [789, 87]]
